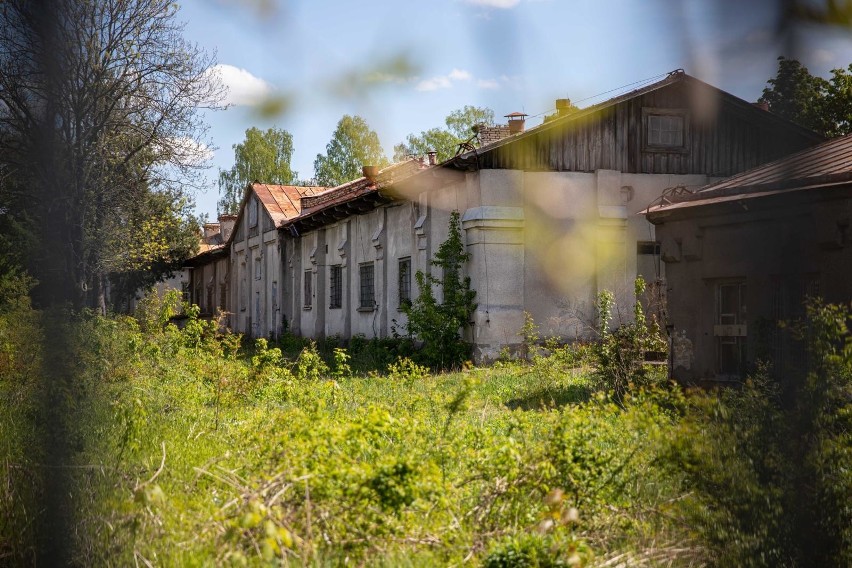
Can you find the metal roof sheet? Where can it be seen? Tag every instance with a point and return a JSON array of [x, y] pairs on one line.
[[824, 165]]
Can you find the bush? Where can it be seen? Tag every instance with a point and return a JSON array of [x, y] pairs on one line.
[[620, 354], [440, 325]]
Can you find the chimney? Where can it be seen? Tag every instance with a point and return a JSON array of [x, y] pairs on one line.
[[516, 122], [370, 172], [433, 157], [489, 134], [210, 230], [762, 105], [226, 225], [563, 106]]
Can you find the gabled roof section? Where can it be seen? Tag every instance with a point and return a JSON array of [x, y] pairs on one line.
[[283, 202], [357, 196], [825, 165], [677, 76]]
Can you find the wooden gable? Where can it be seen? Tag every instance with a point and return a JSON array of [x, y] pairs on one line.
[[722, 135]]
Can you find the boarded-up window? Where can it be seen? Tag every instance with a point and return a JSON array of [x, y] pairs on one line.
[[368, 290], [731, 329], [252, 217], [405, 281], [335, 299], [308, 290]]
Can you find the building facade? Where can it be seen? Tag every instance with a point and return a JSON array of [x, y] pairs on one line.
[[551, 216]]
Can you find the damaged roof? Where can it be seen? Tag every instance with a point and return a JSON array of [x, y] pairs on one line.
[[338, 202], [825, 165], [284, 202]]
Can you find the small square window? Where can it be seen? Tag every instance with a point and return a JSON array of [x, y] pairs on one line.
[[335, 299], [405, 281], [666, 130], [368, 290], [309, 293]]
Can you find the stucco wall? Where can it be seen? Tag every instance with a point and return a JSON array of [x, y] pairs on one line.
[[780, 250]]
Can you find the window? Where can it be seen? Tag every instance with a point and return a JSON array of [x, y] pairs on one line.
[[309, 294], [336, 284], [368, 290], [258, 268], [252, 207], [666, 130], [405, 281], [730, 330], [648, 264]]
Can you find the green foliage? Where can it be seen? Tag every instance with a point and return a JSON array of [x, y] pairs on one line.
[[765, 465], [78, 179], [816, 103], [440, 325], [353, 145], [190, 451], [460, 127], [404, 369], [310, 365], [620, 353], [263, 157]]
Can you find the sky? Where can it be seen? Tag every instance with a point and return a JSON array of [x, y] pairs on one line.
[[404, 66]]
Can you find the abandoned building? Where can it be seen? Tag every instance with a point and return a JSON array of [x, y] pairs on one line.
[[550, 216], [743, 254]]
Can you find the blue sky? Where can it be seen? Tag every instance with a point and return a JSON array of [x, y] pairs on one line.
[[404, 66]]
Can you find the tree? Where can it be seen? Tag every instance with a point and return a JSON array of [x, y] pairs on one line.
[[439, 325], [824, 106], [460, 127], [263, 157], [352, 146], [99, 113]]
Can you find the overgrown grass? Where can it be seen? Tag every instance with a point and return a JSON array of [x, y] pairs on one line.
[[188, 449]]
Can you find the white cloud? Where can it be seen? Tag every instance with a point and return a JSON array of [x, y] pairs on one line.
[[459, 75], [190, 152], [434, 84], [243, 87], [487, 84], [502, 4]]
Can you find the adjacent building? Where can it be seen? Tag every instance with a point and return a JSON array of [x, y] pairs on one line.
[[742, 255]]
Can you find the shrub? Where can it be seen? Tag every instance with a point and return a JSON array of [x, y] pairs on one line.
[[620, 354], [440, 325]]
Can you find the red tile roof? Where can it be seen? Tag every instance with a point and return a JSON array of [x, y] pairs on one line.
[[283, 202]]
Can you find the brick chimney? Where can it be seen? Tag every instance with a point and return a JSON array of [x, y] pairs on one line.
[[490, 134], [226, 225], [432, 156], [210, 230], [517, 120], [761, 105]]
